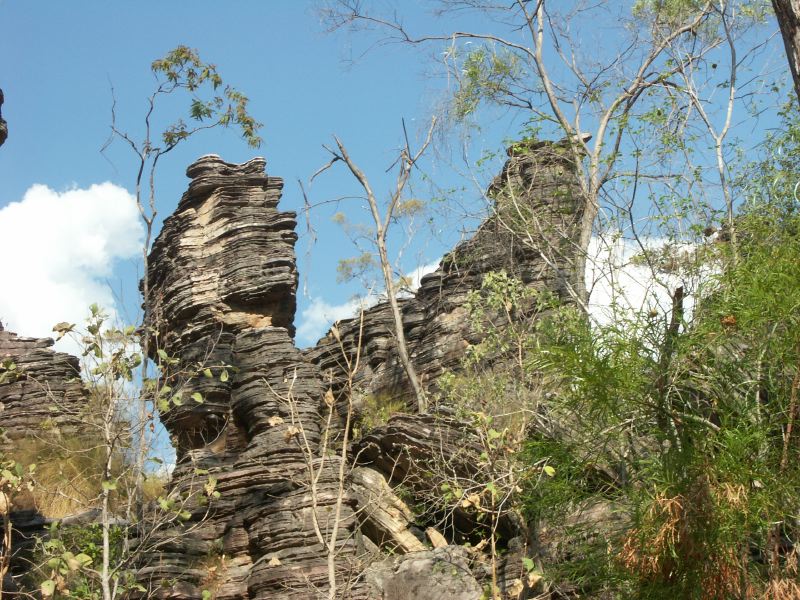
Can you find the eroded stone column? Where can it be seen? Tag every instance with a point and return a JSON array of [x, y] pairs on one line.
[[223, 281]]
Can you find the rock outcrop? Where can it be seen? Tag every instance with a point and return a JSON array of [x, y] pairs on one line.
[[428, 575], [41, 393], [531, 235], [263, 431], [222, 297], [42, 403]]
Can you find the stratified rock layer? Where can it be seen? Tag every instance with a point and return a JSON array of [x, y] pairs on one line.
[[41, 393], [531, 235], [42, 401], [221, 300], [222, 284]]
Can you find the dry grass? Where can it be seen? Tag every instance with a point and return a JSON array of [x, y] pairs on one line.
[[68, 475], [671, 545]]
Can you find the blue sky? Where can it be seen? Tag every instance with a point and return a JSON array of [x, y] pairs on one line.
[[58, 62]]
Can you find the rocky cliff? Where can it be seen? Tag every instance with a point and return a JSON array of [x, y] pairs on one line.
[[531, 234], [42, 402], [270, 424]]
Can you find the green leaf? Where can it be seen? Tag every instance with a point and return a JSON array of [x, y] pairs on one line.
[[197, 397], [84, 559], [177, 400], [63, 328], [528, 564], [549, 471], [48, 588], [109, 485], [162, 354], [223, 377], [207, 373]]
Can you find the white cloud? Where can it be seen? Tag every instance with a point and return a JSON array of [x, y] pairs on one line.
[[620, 286], [57, 249], [415, 277], [317, 318]]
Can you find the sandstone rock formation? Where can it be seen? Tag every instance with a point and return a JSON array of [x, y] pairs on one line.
[[427, 575], [531, 235], [40, 390], [222, 282], [42, 401]]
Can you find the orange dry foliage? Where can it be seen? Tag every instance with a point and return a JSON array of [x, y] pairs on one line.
[[671, 546]]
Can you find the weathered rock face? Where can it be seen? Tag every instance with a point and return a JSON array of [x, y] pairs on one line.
[[427, 575], [222, 296], [42, 401], [222, 283], [531, 235], [3, 124], [41, 392]]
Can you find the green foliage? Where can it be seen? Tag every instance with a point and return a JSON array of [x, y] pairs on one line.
[[9, 371], [67, 559], [376, 409], [698, 426], [486, 74], [182, 68], [669, 14], [351, 268]]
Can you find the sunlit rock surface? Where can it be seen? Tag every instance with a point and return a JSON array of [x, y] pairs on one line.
[[222, 297], [222, 283], [41, 393], [531, 235]]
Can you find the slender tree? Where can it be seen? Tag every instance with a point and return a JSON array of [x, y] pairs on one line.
[[407, 160], [212, 104]]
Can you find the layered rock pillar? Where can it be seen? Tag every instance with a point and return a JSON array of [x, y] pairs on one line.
[[222, 302]]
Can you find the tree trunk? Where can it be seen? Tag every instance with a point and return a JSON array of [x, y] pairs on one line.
[[788, 14]]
